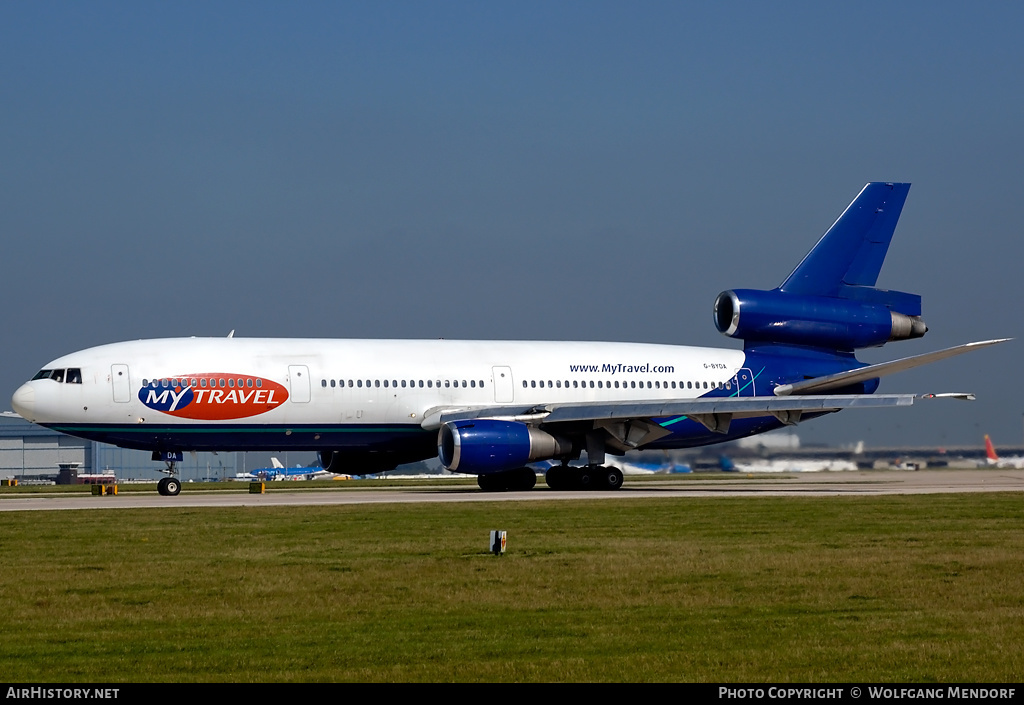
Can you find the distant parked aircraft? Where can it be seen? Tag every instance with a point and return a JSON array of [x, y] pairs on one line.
[[278, 471], [786, 465], [994, 460]]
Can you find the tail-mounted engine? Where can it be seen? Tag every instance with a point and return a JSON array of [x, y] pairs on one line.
[[817, 321]]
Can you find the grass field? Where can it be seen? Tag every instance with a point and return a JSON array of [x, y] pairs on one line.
[[916, 588]]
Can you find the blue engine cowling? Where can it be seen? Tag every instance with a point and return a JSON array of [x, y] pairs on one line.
[[817, 321], [482, 446]]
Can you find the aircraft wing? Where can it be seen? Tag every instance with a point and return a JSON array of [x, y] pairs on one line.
[[715, 412]]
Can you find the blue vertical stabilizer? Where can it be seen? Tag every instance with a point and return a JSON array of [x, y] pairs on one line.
[[851, 253]]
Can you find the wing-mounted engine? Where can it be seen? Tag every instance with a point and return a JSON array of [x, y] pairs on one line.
[[483, 446]]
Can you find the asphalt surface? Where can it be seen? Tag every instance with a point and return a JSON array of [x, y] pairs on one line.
[[821, 484]]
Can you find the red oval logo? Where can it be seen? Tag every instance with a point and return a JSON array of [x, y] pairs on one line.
[[216, 396]]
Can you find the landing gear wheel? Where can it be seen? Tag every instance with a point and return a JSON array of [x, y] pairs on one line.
[[490, 483], [585, 478], [559, 478], [169, 487], [612, 477], [526, 479]]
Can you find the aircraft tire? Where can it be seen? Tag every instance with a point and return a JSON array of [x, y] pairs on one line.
[[161, 487], [612, 477], [585, 478], [525, 479], [558, 478], [172, 486], [490, 483]]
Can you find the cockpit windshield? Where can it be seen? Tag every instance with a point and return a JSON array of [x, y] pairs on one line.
[[72, 375]]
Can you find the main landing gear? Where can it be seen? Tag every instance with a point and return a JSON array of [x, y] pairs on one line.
[[170, 486], [589, 477]]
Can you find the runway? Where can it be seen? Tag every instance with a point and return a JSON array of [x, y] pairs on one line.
[[822, 484]]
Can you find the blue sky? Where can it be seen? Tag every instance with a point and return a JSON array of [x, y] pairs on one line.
[[555, 170]]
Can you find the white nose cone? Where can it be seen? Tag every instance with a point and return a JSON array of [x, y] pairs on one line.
[[24, 401]]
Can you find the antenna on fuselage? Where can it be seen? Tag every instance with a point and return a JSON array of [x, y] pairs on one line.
[[232, 333]]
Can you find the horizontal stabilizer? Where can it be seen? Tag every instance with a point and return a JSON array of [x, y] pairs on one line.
[[843, 379]]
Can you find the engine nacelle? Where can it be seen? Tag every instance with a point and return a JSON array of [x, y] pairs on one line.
[[483, 446], [817, 321]]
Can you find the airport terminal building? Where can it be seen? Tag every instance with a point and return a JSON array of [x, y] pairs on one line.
[[30, 452]]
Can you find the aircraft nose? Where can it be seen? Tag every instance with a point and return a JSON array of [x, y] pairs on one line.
[[24, 401]]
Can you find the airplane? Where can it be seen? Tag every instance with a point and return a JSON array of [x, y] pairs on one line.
[[668, 467], [994, 460], [488, 408], [278, 471], [726, 464]]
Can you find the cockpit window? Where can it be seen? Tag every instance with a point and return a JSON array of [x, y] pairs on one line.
[[74, 376], [43, 374]]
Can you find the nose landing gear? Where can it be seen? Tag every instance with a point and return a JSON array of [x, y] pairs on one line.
[[170, 486]]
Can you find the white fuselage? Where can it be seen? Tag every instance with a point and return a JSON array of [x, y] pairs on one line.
[[240, 394]]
